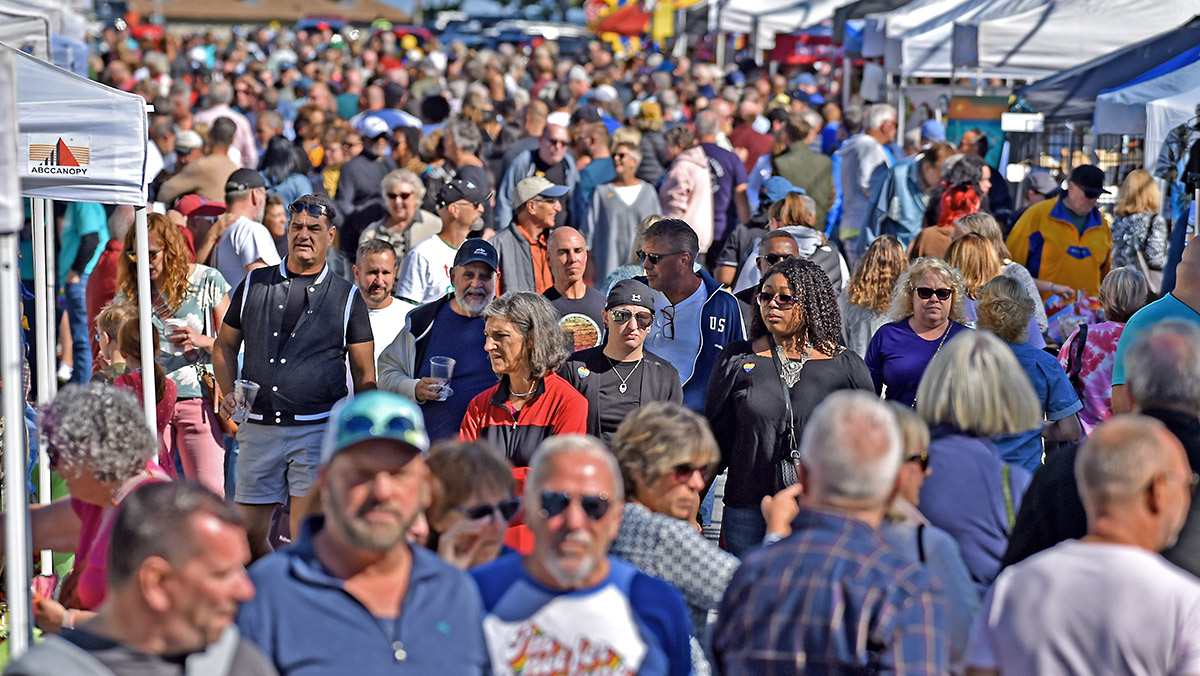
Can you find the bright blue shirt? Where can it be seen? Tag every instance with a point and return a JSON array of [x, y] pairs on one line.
[[82, 218], [461, 339], [307, 624], [1167, 307], [629, 623], [1055, 395]]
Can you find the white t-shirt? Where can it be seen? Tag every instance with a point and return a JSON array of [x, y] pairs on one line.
[[243, 243], [628, 193], [1090, 608], [680, 351], [386, 323], [425, 273]]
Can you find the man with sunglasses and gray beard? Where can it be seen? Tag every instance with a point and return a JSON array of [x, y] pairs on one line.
[[299, 323], [568, 607], [619, 376]]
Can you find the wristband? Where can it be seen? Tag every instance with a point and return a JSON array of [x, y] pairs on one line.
[[68, 621]]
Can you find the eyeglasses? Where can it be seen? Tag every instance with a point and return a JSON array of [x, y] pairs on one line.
[[557, 142], [506, 508], [360, 424], [655, 258], [773, 259], [399, 195], [669, 327], [644, 319], [922, 457], [925, 293], [311, 208], [683, 472], [594, 506], [783, 301], [132, 255]]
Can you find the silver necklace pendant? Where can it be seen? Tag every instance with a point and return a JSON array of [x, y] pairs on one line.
[[622, 388]]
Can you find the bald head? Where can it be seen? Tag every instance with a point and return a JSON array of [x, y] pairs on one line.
[[1134, 479], [567, 251]]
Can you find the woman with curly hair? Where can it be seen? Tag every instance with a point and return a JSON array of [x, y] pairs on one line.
[[927, 309], [864, 302], [190, 301], [1004, 310], [531, 402], [794, 350], [965, 182]]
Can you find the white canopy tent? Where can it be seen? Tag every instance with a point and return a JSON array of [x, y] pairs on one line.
[[1163, 115], [76, 140], [26, 31], [1061, 34], [741, 16], [1123, 110], [797, 17], [879, 27]]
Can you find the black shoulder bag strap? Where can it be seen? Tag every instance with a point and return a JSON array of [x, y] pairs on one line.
[[787, 466], [1075, 361]]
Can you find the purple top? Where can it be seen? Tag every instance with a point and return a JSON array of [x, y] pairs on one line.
[[897, 358]]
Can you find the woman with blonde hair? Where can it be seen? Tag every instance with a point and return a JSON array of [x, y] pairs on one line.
[[1088, 354], [984, 224], [1004, 310], [976, 258], [927, 309], [973, 392], [1139, 234], [865, 301]]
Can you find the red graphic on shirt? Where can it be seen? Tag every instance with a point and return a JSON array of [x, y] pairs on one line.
[[535, 653]]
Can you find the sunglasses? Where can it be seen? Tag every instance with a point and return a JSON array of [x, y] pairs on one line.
[[783, 301], [644, 319], [669, 327], [594, 506], [361, 424], [773, 259], [310, 208], [922, 458], [925, 293], [655, 258], [399, 195], [132, 255], [506, 508], [553, 142], [619, 156], [683, 472]]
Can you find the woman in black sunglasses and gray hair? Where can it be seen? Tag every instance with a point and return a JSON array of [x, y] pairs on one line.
[[928, 308], [473, 502], [763, 390]]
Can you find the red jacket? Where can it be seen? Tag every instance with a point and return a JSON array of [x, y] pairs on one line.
[[556, 408]]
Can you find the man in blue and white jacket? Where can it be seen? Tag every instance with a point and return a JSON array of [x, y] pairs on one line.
[[696, 317]]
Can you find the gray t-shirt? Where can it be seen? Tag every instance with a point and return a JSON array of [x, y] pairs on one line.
[[126, 661]]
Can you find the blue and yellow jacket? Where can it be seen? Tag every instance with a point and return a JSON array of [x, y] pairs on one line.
[[1046, 242]]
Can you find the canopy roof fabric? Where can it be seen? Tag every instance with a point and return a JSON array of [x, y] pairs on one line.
[[794, 18], [1163, 115], [892, 24], [860, 10], [1123, 110], [26, 31], [739, 16], [1062, 34], [926, 51], [1071, 94], [79, 140], [12, 213]]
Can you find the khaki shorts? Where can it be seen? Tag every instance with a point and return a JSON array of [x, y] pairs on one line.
[[276, 462]]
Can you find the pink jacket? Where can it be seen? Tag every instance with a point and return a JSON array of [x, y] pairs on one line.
[[686, 192]]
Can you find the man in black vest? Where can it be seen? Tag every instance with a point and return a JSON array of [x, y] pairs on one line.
[[299, 323]]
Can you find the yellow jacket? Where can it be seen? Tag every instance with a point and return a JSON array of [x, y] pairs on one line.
[[1046, 242]]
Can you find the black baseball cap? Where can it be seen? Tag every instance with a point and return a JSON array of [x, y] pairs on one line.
[[630, 292], [461, 189], [476, 250], [1090, 179], [244, 179]]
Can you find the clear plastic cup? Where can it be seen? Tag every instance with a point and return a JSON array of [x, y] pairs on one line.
[[442, 368], [244, 392]]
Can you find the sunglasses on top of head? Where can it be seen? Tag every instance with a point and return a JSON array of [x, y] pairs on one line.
[[311, 208]]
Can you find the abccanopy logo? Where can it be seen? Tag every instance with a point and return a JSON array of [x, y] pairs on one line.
[[59, 155]]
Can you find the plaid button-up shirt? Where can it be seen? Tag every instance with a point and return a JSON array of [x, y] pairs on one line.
[[833, 598]]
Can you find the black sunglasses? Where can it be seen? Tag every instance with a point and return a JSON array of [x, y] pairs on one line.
[[923, 458], [594, 506], [556, 142], [506, 508], [783, 301], [773, 259], [311, 208], [924, 293], [669, 327], [399, 195], [644, 319], [655, 258]]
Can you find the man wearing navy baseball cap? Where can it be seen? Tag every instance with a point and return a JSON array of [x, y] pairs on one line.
[[449, 327], [424, 275]]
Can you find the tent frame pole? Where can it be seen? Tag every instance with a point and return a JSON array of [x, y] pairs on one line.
[[51, 331], [901, 110], [145, 326], [16, 497]]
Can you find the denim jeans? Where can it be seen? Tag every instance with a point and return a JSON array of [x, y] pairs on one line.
[[743, 529], [74, 296]]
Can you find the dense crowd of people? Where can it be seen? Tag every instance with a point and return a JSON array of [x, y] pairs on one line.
[[508, 361]]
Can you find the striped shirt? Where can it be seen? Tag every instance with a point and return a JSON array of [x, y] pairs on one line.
[[833, 598]]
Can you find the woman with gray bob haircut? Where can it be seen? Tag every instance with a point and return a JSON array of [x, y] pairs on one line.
[[98, 441], [531, 403]]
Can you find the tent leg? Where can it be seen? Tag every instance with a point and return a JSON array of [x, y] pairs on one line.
[[847, 64], [16, 498], [979, 81], [50, 329], [145, 327], [901, 110]]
